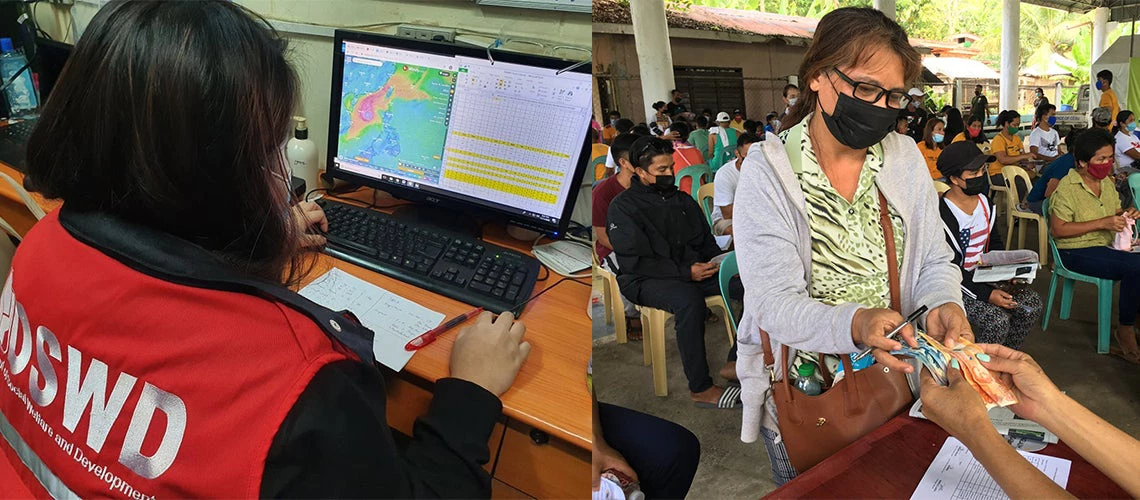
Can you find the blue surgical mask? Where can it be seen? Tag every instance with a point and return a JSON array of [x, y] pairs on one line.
[[1131, 126], [1098, 86], [1052, 120], [938, 137]]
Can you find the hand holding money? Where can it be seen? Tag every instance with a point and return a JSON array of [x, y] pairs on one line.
[[1035, 392], [869, 328], [969, 357], [956, 407]]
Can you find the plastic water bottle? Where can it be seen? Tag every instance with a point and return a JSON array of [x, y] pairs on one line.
[[302, 154], [21, 94], [807, 383]]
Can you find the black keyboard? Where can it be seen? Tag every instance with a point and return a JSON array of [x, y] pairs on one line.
[[14, 142], [19, 132], [457, 266]]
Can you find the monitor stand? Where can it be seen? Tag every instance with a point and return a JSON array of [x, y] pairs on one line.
[[447, 219]]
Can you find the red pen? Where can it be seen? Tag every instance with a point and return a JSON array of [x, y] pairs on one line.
[[430, 336]]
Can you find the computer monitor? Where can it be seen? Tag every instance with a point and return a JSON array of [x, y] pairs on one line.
[[505, 136]]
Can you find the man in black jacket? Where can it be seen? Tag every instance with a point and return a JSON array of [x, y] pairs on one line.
[[663, 245]]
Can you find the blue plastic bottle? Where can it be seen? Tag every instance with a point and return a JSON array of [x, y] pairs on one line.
[[806, 381], [21, 94]]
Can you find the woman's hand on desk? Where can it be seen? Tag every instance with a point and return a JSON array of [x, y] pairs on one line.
[[489, 354], [309, 216]]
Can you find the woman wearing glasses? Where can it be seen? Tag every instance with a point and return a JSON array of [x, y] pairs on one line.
[[810, 246]]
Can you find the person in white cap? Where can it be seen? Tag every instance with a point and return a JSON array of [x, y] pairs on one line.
[[915, 114], [722, 140]]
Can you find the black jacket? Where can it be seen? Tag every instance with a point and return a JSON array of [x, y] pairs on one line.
[[335, 441], [657, 235], [980, 291]]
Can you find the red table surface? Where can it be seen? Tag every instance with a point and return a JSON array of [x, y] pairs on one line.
[[889, 463]]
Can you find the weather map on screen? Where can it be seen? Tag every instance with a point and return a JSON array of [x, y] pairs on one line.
[[395, 116]]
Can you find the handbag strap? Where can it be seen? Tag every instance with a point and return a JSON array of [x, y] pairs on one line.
[[892, 257], [892, 278]]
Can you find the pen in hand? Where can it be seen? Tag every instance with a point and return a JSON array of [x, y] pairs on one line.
[[894, 333]]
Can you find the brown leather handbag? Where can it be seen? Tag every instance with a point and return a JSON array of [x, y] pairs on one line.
[[815, 427]]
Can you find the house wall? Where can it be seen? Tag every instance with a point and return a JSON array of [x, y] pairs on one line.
[[766, 68], [308, 25]]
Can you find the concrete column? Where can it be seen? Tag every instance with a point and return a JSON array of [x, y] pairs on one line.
[[1100, 31], [887, 6], [1010, 53], [654, 56]]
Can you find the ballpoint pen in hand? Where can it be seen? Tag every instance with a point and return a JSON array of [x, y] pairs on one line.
[[893, 333]]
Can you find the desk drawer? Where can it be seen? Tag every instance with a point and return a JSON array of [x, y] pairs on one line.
[[555, 469], [407, 402]]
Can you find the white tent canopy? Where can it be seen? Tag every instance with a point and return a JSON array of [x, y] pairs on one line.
[[1114, 59], [957, 68]]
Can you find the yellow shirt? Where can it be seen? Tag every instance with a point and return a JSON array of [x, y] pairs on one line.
[[599, 151], [738, 125], [1108, 100], [1073, 201], [931, 157], [1011, 147], [608, 134]]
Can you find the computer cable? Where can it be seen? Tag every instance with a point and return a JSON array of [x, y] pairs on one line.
[[520, 305]]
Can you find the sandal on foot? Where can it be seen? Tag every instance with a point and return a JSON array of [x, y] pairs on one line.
[[729, 400], [1119, 351]]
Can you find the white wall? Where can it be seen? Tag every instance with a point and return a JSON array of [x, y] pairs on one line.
[[537, 31]]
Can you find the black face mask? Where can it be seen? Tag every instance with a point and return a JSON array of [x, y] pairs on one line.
[[977, 185], [664, 184], [857, 124]]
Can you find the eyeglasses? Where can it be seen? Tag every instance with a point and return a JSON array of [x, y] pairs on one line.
[[871, 93]]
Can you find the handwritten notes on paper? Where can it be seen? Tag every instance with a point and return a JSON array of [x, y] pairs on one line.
[[956, 474], [394, 319]]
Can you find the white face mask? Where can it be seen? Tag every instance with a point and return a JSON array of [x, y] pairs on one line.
[[792, 101]]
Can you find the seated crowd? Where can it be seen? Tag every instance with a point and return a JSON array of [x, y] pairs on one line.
[[813, 200]]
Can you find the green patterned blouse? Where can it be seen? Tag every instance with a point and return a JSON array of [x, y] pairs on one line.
[[848, 253]]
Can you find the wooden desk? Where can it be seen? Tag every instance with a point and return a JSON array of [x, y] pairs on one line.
[[889, 463], [542, 446]]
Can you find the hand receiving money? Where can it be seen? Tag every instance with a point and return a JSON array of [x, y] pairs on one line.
[[935, 357]]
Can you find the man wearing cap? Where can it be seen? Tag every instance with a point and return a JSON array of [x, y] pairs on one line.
[[722, 139], [1000, 313], [915, 114]]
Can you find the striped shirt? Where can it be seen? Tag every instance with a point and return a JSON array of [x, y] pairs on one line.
[[974, 232]]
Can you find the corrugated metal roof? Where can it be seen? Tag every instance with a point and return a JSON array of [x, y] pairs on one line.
[[745, 22], [1122, 10]]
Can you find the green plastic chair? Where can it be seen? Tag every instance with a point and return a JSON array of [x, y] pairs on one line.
[[1068, 279], [700, 174], [1134, 185], [728, 270]]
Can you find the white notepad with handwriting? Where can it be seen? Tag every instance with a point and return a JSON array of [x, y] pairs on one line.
[[393, 319]]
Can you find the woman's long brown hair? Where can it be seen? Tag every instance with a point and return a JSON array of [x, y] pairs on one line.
[[172, 115], [848, 37]]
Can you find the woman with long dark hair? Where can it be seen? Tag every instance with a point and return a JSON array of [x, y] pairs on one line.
[[954, 125], [811, 247], [173, 359]]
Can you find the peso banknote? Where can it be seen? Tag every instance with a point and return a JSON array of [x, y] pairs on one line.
[[936, 357]]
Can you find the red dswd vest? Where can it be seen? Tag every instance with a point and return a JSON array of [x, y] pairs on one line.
[[116, 383]]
